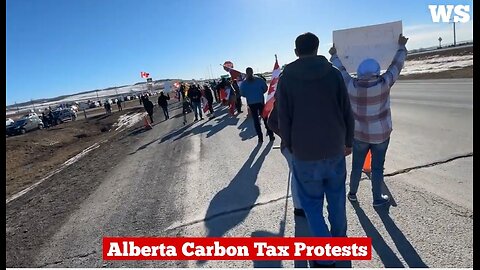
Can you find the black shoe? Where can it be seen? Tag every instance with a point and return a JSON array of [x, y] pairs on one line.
[[314, 264], [260, 140], [298, 212], [201, 118], [272, 138], [196, 119]]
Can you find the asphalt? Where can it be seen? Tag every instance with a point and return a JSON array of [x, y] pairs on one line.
[[210, 178]]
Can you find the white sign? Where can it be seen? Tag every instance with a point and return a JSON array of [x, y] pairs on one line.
[[379, 42], [167, 86]]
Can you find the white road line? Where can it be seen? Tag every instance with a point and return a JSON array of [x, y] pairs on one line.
[[63, 166]]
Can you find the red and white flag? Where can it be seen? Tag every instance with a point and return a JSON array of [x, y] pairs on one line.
[[271, 89], [144, 74], [235, 74]]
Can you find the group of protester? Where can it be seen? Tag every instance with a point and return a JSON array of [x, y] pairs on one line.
[[322, 114]]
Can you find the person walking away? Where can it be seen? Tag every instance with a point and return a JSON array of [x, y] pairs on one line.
[[163, 103], [231, 98], [195, 96], [370, 98], [316, 125], [109, 107], [186, 110], [148, 105], [51, 119], [119, 104], [272, 122], [106, 107], [238, 101], [213, 85], [253, 89], [209, 96]]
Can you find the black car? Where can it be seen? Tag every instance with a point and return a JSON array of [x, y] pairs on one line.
[[24, 125], [64, 115]]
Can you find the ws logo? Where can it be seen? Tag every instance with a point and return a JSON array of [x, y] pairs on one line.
[[444, 13]]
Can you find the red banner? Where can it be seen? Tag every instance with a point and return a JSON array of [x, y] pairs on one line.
[[241, 248]]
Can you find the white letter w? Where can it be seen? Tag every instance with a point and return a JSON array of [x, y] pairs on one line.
[[439, 11]]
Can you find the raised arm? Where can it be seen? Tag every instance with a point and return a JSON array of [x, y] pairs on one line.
[[393, 71], [338, 64]]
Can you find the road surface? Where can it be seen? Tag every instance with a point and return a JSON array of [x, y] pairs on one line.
[[211, 178]]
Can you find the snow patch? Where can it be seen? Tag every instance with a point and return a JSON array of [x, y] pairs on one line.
[[436, 64], [128, 120]]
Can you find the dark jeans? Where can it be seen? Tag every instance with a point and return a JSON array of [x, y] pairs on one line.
[[197, 108], [165, 112], [150, 114], [238, 104], [360, 150], [316, 181], [210, 106], [256, 110]]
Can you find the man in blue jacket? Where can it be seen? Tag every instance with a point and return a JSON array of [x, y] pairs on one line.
[[253, 89]]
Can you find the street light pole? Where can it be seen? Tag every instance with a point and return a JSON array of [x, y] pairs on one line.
[[454, 35]]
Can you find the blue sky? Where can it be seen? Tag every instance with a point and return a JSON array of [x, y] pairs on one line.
[[57, 47]]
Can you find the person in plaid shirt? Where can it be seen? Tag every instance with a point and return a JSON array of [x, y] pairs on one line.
[[370, 100]]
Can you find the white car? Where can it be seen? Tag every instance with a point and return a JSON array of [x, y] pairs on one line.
[[9, 121]]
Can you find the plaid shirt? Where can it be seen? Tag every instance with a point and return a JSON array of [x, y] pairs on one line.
[[370, 100]]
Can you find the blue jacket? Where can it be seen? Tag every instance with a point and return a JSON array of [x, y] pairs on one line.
[[253, 90]]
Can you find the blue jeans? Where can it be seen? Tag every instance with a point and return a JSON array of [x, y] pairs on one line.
[[293, 183], [317, 180], [360, 150], [197, 106]]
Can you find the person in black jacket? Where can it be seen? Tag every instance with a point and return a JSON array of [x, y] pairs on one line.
[[148, 105], [207, 92], [195, 96], [316, 125], [238, 96], [162, 102]]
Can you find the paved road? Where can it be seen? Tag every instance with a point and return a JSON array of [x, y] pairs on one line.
[[212, 179]]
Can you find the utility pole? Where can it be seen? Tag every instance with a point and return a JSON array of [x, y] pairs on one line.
[[454, 35]]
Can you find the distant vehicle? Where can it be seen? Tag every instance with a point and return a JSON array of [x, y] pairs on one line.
[[24, 125], [64, 115], [74, 107], [9, 121], [29, 115]]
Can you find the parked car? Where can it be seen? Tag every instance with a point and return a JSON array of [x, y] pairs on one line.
[[24, 125], [9, 121], [64, 115]]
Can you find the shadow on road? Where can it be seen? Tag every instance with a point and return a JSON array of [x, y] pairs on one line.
[[408, 252], [247, 130], [386, 254], [241, 192]]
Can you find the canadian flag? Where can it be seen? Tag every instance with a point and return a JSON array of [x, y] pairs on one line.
[[144, 74], [271, 90], [235, 74]]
